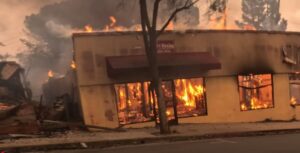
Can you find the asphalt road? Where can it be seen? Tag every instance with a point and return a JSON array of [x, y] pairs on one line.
[[262, 144]]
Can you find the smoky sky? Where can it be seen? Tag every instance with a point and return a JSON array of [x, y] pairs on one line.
[[54, 23], [12, 14]]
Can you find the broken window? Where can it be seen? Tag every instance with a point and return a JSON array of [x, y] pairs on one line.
[[136, 102], [256, 92], [190, 96], [295, 89], [131, 103]]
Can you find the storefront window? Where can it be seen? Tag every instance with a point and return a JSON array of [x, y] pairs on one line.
[[131, 103], [190, 95], [256, 92], [136, 103]]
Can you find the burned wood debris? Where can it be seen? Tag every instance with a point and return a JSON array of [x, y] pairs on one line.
[[60, 98], [17, 112]]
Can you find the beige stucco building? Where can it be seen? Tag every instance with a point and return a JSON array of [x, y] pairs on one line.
[[241, 76]]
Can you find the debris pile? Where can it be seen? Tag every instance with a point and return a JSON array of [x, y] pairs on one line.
[[17, 112]]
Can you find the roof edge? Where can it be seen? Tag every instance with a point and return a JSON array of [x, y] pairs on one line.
[[189, 31]]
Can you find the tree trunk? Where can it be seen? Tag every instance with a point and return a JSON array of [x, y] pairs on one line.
[[164, 126], [157, 82]]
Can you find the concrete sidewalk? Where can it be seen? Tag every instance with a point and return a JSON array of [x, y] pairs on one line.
[[132, 136]]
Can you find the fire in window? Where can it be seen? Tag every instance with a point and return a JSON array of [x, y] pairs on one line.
[[132, 106], [136, 102], [295, 89], [256, 92], [190, 96]]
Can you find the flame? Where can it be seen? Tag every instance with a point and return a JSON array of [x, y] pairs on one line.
[[137, 28], [219, 21], [132, 96], [130, 99], [50, 74], [249, 27], [256, 98], [168, 113], [122, 98], [244, 107], [255, 104], [88, 28], [113, 21], [112, 26], [293, 101], [189, 92], [73, 65], [170, 26], [4, 106]]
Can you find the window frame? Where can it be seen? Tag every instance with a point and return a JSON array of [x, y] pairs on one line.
[[174, 102], [239, 90], [205, 96]]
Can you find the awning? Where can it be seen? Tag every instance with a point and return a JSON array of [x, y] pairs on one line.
[[171, 65]]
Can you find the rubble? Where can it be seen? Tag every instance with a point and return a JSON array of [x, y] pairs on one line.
[[17, 112], [61, 98]]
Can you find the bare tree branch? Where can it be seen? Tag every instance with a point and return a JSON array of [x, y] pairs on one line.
[[155, 13], [144, 14], [145, 28], [188, 4]]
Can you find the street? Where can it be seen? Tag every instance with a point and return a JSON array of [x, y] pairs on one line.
[[262, 144]]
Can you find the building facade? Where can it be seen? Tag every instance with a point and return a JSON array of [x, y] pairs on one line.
[[209, 77]]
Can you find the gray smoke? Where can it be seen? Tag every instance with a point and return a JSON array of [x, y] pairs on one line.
[[54, 24]]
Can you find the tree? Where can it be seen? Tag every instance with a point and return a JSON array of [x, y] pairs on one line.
[[150, 35], [273, 19], [262, 15], [35, 55], [217, 11]]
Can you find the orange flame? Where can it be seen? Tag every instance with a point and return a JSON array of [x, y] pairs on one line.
[[73, 65], [170, 26], [249, 27], [50, 74], [4, 106], [258, 98], [112, 26], [113, 21], [293, 101], [189, 92], [88, 28]]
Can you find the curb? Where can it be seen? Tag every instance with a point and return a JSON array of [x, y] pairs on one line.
[[146, 140]]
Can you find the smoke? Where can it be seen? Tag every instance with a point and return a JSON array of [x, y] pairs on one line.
[[12, 16], [59, 30], [54, 24]]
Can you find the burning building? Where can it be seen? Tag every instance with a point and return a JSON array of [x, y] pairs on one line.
[[209, 77]]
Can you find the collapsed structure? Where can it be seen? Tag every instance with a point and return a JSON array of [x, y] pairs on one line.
[[61, 98], [209, 77], [17, 113]]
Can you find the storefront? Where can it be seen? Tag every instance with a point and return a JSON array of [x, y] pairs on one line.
[[209, 77]]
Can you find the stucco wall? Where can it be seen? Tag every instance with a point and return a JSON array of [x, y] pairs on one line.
[[238, 52]]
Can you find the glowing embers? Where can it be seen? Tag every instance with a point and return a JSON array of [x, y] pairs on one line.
[[256, 92], [190, 95], [136, 103]]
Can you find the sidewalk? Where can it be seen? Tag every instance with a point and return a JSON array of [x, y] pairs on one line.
[[145, 135]]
